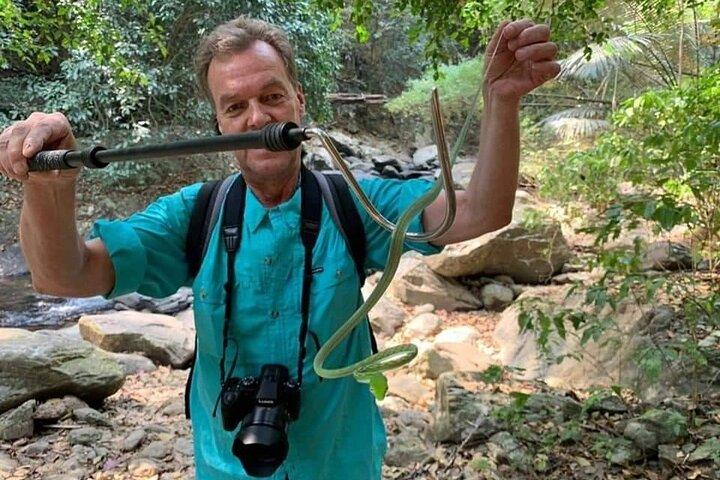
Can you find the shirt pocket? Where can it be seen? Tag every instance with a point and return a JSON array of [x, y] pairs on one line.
[[335, 272], [209, 310]]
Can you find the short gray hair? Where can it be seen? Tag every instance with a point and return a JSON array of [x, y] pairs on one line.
[[236, 36]]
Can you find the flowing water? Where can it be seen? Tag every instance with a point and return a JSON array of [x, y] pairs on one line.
[[21, 307]]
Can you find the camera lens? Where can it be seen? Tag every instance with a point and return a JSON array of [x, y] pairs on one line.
[[261, 444]]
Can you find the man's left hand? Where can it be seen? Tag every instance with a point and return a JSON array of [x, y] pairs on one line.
[[519, 58]]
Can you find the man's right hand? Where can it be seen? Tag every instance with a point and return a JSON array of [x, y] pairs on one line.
[[22, 140]]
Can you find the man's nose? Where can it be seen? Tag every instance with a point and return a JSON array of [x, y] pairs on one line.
[[257, 116]]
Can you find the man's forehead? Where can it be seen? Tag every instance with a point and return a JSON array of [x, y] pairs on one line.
[[259, 65]]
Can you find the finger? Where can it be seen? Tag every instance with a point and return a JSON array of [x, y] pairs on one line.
[[546, 70], [533, 34], [3, 153], [40, 135], [514, 29], [537, 52], [17, 164], [497, 36]]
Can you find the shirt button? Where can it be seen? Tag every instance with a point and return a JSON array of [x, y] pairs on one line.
[[267, 260], [274, 314], [338, 273]]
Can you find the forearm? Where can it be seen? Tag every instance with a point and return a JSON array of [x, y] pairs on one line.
[[491, 192], [486, 205], [48, 235]]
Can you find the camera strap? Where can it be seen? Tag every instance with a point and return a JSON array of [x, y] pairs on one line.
[[310, 211]]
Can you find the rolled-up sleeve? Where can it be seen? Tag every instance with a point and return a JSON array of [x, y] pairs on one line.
[[147, 249], [391, 198]]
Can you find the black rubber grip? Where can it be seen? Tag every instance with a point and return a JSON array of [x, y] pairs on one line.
[[277, 137], [48, 160]]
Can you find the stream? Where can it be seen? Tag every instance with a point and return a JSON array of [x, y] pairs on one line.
[[21, 307]]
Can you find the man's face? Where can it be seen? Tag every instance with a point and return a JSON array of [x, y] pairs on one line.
[[251, 89]]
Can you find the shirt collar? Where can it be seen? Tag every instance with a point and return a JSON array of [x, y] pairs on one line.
[[256, 212]]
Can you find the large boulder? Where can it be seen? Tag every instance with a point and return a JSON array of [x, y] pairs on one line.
[[416, 284], [610, 359], [42, 365], [528, 255], [530, 250], [162, 338]]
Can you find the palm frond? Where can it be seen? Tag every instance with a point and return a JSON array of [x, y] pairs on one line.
[[575, 123], [616, 53]]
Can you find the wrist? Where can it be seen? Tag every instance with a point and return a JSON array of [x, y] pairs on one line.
[[494, 99]]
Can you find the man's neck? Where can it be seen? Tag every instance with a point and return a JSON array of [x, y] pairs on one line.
[[273, 194]]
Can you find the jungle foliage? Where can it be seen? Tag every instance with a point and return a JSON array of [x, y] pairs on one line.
[[127, 64]]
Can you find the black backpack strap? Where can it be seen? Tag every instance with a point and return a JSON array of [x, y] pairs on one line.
[[351, 224], [194, 240], [204, 215], [344, 212]]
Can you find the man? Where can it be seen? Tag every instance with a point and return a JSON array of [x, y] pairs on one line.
[[247, 71]]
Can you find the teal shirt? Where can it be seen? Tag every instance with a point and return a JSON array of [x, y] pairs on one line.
[[340, 433]]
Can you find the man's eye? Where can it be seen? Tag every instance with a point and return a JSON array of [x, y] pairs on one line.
[[234, 108], [275, 97]]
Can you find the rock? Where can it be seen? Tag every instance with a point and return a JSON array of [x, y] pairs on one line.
[[405, 449], [187, 318], [174, 408], [422, 326], [143, 468], [612, 360], [654, 427], [459, 334], [444, 357], [382, 161], [670, 455], [419, 285], [609, 404], [460, 406], [183, 447], [157, 450], [527, 254], [708, 450], [91, 417], [12, 262], [505, 280], [666, 255], [407, 388], [37, 449], [426, 308], [659, 318], [133, 440], [433, 364], [84, 436], [496, 297], [414, 419], [38, 365], [504, 448], [160, 338], [133, 364], [57, 408], [7, 463], [623, 452], [462, 172], [171, 305], [425, 157], [17, 423], [386, 316]]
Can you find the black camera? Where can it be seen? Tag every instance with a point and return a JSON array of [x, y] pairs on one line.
[[265, 405]]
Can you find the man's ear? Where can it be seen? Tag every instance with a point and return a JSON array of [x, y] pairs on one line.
[[301, 100]]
